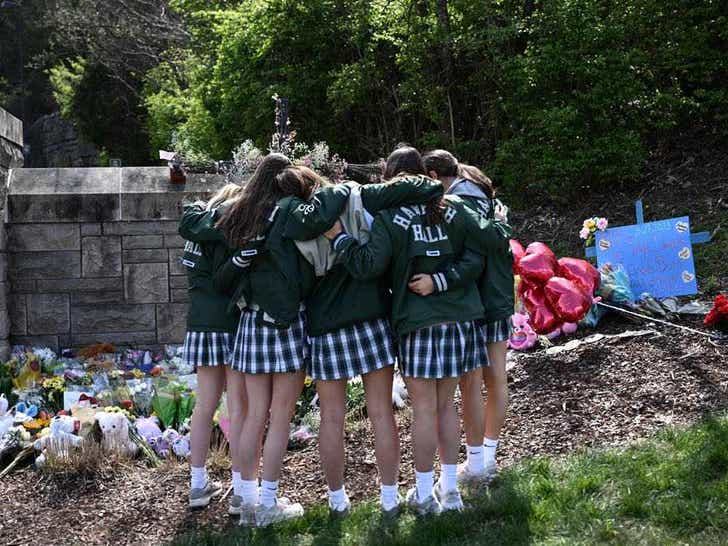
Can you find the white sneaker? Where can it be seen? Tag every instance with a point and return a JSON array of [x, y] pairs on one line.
[[201, 497], [247, 514], [469, 478], [429, 506], [235, 505], [394, 511], [340, 511], [282, 510], [449, 500]]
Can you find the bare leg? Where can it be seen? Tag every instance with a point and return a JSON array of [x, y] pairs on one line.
[[448, 429], [258, 388], [286, 389], [378, 391], [237, 406], [496, 384], [423, 393], [210, 384], [472, 400], [332, 399]]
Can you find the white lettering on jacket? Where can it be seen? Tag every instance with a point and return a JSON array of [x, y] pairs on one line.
[[193, 248], [428, 234]]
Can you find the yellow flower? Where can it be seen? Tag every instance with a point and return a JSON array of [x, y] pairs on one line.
[[591, 224], [137, 373], [308, 381]]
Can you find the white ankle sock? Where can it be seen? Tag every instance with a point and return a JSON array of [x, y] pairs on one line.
[[490, 447], [248, 491], [424, 484], [388, 496], [268, 492], [198, 477], [476, 458], [338, 498], [237, 483], [449, 477]]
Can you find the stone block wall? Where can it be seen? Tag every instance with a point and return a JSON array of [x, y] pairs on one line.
[[93, 255], [11, 156]]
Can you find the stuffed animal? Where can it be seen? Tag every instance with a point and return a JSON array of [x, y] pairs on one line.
[[6, 420], [523, 337], [115, 430], [148, 428], [399, 392], [179, 444], [59, 441], [25, 412]]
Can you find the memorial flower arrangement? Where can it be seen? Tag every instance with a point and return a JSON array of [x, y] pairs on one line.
[[590, 227], [717, 317]]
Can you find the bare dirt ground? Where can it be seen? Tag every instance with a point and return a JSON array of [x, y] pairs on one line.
[[602, 394]]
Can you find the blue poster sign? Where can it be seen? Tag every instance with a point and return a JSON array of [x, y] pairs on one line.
[[658, 256]]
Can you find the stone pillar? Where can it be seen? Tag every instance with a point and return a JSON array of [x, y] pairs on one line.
[[11, 157]]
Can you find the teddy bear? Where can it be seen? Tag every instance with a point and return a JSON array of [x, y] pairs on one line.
[[59, 440], [115, 430], [523, 336], [148, 428], [179, 444]]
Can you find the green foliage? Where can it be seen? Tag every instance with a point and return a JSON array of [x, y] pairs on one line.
[[65, 80], [556, 97], [672, 489]]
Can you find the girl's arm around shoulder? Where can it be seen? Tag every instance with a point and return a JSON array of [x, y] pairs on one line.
[[309, 219], [198, 224], [228, 273], [410, 190], [367, 261]]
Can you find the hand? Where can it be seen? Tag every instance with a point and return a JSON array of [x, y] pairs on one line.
[[334, 232], [501, 212], [421, 284]]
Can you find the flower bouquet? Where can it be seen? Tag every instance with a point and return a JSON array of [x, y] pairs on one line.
[[590, 227]]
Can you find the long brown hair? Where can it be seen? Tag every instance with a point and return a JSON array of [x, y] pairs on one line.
[[245, 219], [478, 177], [405, 161], [299, 181]]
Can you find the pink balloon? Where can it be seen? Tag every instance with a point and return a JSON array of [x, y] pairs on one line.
[[540, 248], [518, 252], [569, 301], [581, 272], [537, 268], [542, 317]]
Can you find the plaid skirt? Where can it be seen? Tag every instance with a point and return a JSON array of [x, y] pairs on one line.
[[207, 349], [443, 350], [499, 330], [263, 348], [350, 351]]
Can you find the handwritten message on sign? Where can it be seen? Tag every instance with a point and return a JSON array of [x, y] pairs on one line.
[[658, 256]]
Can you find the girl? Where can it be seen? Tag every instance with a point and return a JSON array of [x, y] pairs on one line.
[[208, 345], [482, 424], [272, 280], [437, 334], [348, 327]]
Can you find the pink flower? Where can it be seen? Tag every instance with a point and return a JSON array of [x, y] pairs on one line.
[[602, 224], [584, 233]]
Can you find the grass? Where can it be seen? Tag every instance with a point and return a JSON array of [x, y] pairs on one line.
[[670, 489]]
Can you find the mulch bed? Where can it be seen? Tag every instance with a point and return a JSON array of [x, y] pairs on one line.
[[603, 394]]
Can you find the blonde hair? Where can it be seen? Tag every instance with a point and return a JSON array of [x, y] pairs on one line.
[[228, 192]]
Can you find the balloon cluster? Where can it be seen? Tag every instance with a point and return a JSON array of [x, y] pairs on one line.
[[556, 293]]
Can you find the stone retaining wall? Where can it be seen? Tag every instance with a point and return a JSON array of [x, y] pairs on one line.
[[93, 255], [11, 156]]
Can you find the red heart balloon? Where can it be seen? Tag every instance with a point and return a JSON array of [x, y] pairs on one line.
[[569, 301], [541, 317], [581, 272], [540, 248], [518, 252], [537, 268]]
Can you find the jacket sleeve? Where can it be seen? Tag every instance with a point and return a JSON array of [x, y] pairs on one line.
[[466, 269], [226, 278], [198, 225], [309, 219], [367, 261], [413, 190]]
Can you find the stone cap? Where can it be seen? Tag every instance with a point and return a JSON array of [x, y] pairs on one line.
[[102, 194], [11, 128]]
